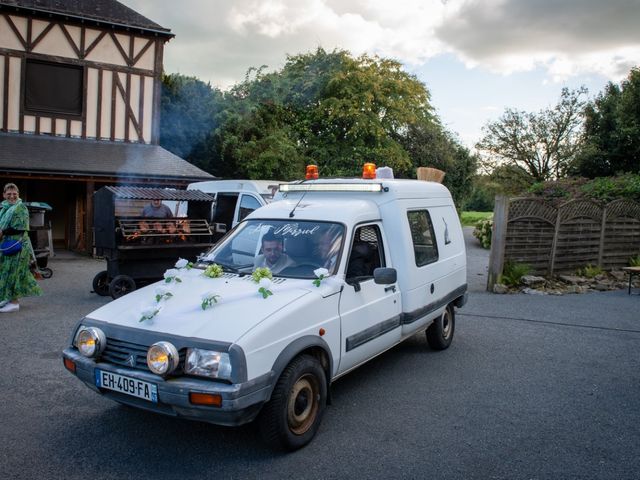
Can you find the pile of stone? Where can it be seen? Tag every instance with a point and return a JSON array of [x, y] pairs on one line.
[[564, 284]]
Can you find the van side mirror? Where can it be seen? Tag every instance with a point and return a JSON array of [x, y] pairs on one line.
[[385, 276]]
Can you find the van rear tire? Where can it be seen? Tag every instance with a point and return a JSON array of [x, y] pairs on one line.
[[440, 332]]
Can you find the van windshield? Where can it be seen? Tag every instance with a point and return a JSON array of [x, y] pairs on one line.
[[288, 249]]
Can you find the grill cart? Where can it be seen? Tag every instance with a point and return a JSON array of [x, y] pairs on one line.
[[40, 236], [139, 250]]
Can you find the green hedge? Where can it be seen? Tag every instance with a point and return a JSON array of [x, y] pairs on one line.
[[604, 189]]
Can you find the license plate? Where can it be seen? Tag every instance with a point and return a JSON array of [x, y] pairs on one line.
[[127, 385]]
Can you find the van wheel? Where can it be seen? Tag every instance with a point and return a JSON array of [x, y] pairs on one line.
[[440, 333], [291, 418]]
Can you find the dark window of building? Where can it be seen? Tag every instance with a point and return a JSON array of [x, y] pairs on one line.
[[52, 88]]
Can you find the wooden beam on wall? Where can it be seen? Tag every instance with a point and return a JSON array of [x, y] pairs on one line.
[[5, 106], [88, 221]]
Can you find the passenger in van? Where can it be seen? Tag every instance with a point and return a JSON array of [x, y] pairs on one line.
[[273, 256], [360, 261], [327, 249]]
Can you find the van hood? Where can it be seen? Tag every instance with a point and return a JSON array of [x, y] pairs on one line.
[[239, 308]]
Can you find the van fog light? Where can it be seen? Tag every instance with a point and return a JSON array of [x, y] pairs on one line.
[[91, 342], [207, 363], [162, 358]]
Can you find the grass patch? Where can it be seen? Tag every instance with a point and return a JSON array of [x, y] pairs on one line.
[[512, 273], [471, 219]]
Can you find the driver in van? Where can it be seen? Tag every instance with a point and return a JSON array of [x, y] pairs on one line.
[[272, 255]]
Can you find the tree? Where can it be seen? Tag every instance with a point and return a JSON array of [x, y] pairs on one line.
[[327, 108], [544, 143], [430, 145], [335, 110], [612, 131]]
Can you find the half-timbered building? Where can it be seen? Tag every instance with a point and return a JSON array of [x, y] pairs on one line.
[[79, 107]]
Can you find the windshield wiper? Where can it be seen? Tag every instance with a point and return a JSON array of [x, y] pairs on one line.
[[228, 268]]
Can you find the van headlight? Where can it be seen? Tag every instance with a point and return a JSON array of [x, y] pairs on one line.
[[207, 363], [162, 358], [90, 341]]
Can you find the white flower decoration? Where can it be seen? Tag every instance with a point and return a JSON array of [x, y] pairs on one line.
[[181, 263], [265, 284], [321, 273], [171, 275], [163, 293], [149, 312]]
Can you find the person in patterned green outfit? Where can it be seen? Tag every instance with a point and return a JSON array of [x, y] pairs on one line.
[[16, 279]]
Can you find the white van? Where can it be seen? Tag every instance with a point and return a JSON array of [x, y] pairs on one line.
[[355, 267], [234, 200]]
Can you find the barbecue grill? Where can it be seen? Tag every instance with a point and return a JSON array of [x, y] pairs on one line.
[[139, 250]]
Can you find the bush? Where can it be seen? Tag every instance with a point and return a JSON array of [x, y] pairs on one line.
[[635, 261], [604, 189], [513, 272], [480, 200], [589, 271], [483, 232], [610, 188]]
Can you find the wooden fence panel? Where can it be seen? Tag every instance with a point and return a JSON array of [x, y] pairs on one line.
[[578, 244], [529, 240], [621, 233], [561, 240]]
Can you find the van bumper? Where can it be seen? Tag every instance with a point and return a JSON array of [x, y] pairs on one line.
[[241, 403]]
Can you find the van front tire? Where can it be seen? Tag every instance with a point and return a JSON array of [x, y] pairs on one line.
[[291, 418], [440, 332]]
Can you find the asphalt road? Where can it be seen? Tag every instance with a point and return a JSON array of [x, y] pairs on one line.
[[533, 387]]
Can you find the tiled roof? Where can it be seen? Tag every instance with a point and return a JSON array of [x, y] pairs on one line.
[[46, 155], [104, 11]]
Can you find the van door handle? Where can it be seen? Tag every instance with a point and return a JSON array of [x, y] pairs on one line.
[[391, 287]]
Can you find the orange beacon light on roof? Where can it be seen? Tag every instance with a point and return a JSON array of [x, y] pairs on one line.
[[369, 171], [312, 172]]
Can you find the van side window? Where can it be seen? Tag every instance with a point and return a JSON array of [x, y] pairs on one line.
[[425, 247], [247, 205], [366, 254]]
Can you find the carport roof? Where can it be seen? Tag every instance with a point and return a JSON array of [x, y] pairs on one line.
[[146, 193], [40, 155]]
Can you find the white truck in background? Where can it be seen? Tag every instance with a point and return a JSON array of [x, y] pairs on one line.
[[234, 200]]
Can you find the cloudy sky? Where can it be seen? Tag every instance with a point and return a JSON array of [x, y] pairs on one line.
[[477, 57]]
